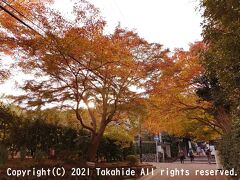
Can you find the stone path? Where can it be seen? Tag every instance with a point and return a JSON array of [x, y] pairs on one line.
[[178, 171]]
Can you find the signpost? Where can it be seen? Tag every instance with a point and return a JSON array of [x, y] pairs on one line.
[[156, 139]]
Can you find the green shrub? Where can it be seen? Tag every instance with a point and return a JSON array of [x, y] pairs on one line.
[[229, 148], [113, 150], [132, 159], [23, 153], [131, 150], [68, 155], [3, 154], [109, 149], [40, 155]]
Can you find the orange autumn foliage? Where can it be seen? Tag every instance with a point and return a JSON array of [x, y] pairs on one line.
[[74, 62], [173, 105]]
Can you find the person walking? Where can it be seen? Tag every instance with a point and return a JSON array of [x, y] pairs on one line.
[[199, 151], [181, 156], [191, 155], [208, 154]]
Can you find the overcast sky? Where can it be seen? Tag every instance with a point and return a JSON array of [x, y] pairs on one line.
[[173, 23]]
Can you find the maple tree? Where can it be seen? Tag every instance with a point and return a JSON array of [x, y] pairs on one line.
[[12, 13], [173, 104], [75, 63]]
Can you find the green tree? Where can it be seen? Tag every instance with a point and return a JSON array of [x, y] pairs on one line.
[[221, 32], [210, 90], [37, 135], [229, 148], [7, 119]]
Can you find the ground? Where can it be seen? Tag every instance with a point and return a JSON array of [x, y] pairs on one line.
[[182, 168]]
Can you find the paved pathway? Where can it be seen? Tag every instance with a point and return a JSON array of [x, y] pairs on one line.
[[164, 171]]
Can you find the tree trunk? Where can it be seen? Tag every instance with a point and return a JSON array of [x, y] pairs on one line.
[[94, 144]]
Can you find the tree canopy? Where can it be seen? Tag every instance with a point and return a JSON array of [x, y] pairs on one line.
[[99, 77], [221, 33], [173, 104], [75, 63]]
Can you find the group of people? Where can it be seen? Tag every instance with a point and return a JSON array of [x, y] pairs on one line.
[[191, 155]]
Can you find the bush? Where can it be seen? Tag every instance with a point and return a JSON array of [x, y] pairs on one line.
[[68, 155], [229, 148], [109, 150], [131, 150], [113, 150], [132, 159], [3, 154], [39, 155], [23, 153]]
